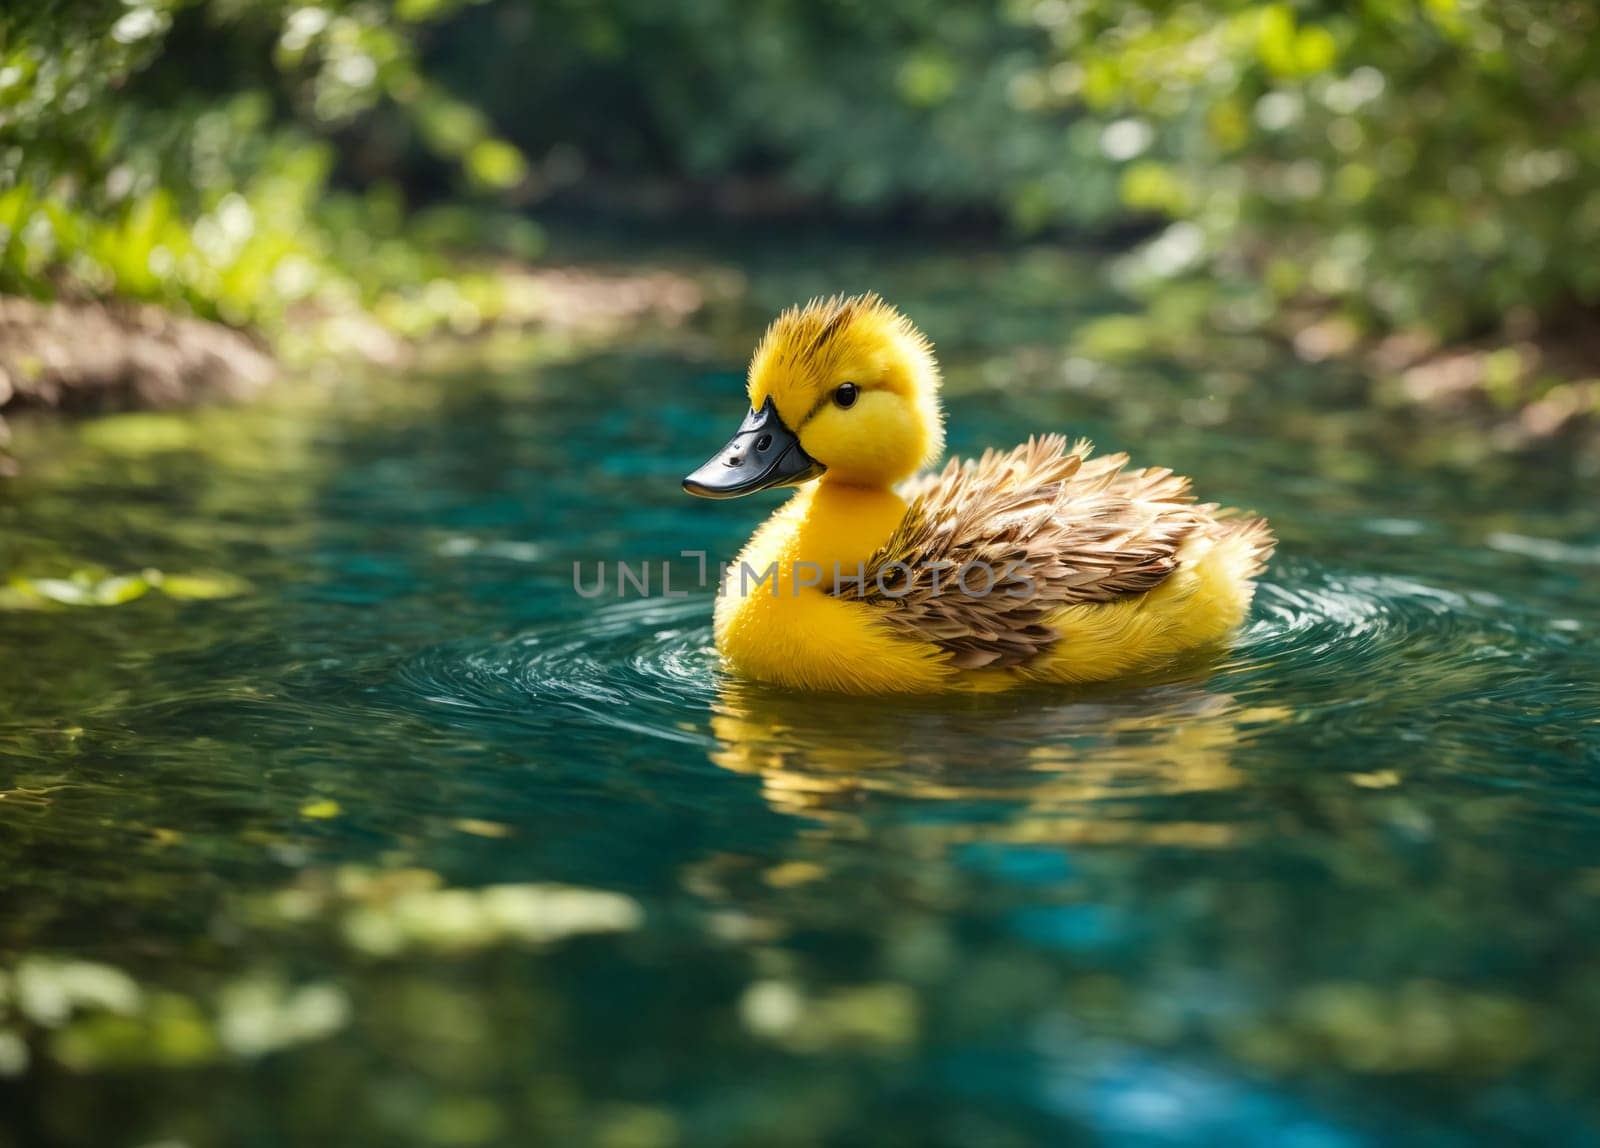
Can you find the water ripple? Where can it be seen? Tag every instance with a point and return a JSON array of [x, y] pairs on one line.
[[642, 667], [1318, 641], [1379, 635]]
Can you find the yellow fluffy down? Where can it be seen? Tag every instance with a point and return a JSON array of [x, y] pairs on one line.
[[1204, 601], [802, 636]]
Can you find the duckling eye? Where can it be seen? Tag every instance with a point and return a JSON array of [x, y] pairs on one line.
[[846, 394]]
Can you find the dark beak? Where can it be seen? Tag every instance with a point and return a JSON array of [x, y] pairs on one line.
[[763, 453]]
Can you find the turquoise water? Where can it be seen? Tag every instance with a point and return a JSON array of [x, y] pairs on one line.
[[358, 825]]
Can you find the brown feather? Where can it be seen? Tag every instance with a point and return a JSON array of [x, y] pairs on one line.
[[1078, 529]]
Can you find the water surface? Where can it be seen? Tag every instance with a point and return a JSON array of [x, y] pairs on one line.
[[355, 824]]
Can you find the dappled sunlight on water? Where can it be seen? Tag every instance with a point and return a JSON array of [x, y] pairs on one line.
[[330, 811]]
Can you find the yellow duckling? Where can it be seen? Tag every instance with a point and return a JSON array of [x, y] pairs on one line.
[[1037, 565]]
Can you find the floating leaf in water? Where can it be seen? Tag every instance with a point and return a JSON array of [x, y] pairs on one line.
[[82, 589], [1377, 779], [384, 914], [259, 1016], [120, 588], [460, 545], [205, 586], [880, 1017], [97, 1017], [771, 1008], [545, 913], [49, 991], [94, 588], [171, 1031], [791, 873]]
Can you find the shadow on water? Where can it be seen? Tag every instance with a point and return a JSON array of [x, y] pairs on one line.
[[391, 837]]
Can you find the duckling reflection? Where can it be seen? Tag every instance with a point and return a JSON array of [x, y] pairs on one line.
[[1070, 768]]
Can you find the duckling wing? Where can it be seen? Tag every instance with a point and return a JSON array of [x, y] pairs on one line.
[[989, 550]]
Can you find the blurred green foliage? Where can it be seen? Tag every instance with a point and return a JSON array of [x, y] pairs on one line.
[[183, 153], [1423, 163], [1426, 164], [863, 107]]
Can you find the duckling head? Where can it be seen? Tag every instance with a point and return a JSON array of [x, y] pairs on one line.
[[844, 388]]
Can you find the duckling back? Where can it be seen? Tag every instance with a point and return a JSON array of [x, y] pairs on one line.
[[1089, 570], [1203, 601]]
